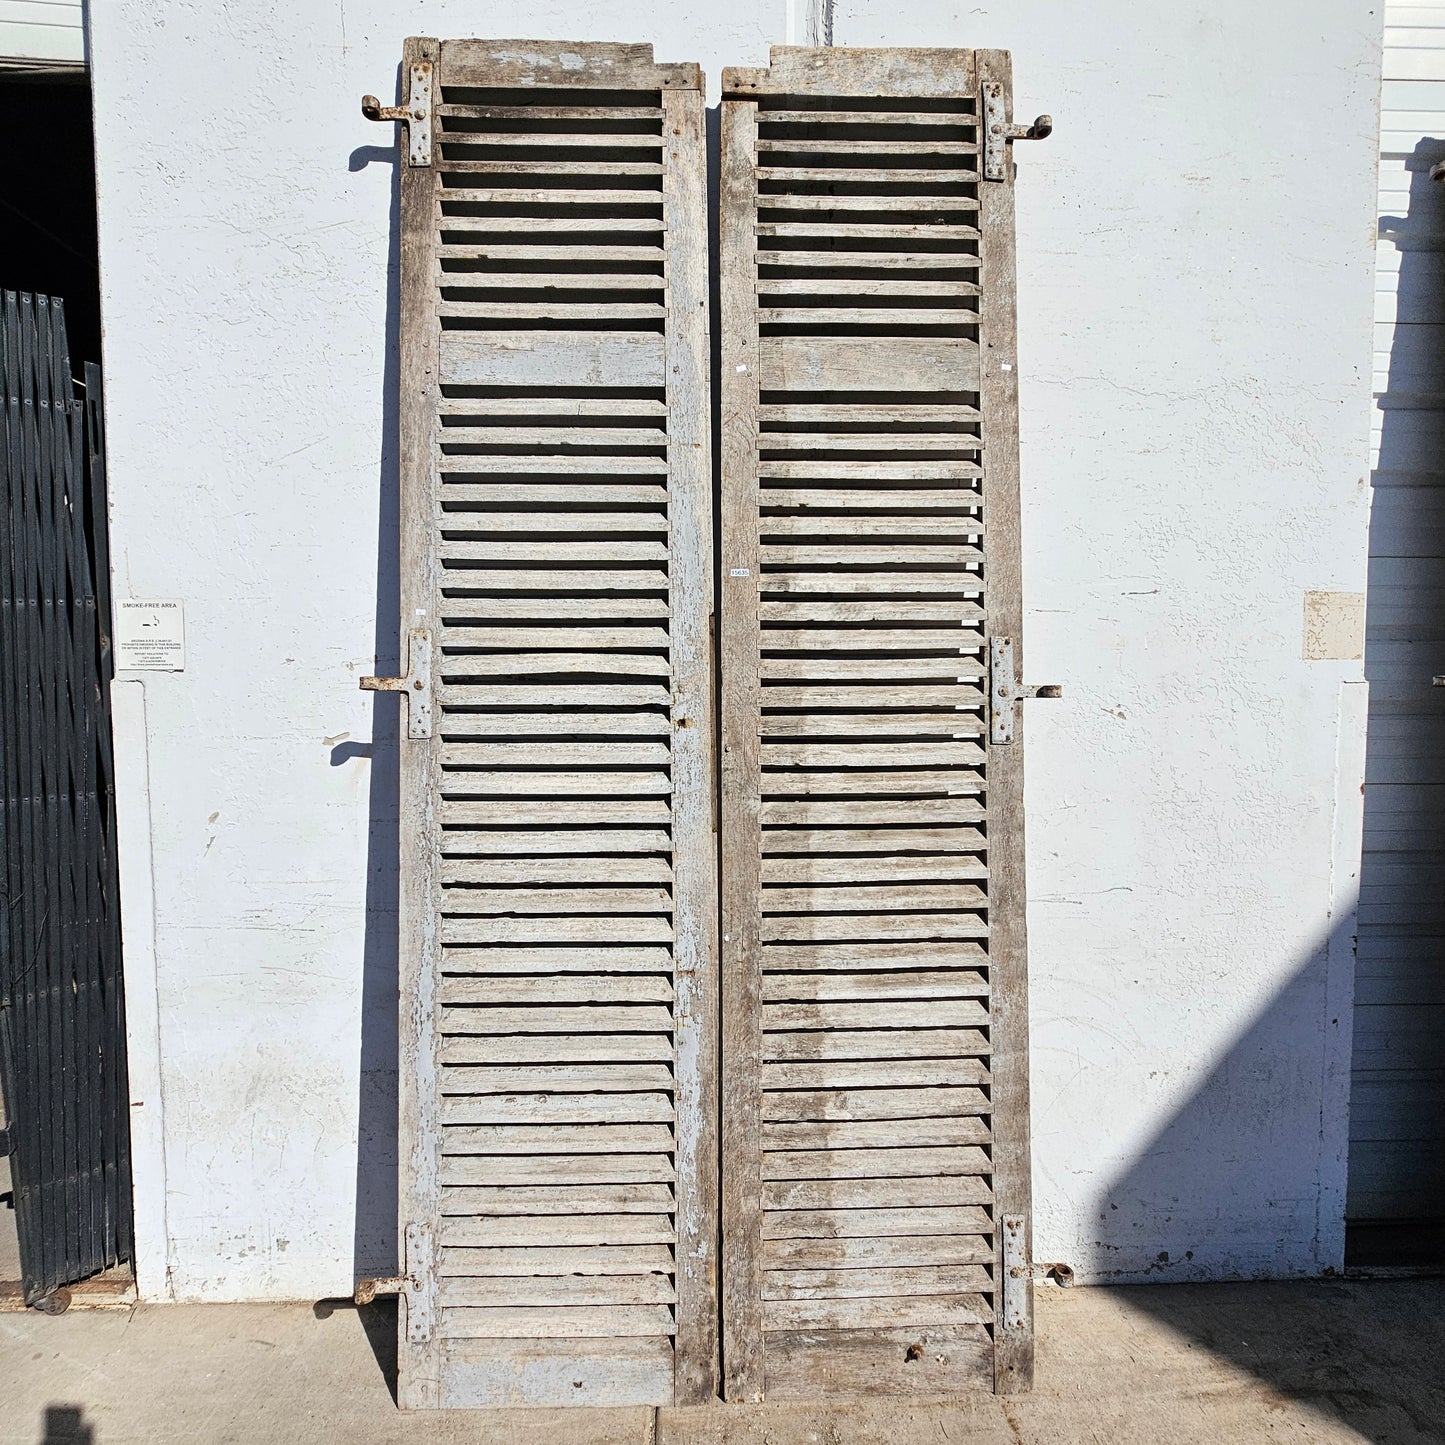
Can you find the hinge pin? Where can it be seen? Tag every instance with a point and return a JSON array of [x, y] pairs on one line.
[[999, 131], [415, 686], [1005, 692], [368, 1289], [415, 115]]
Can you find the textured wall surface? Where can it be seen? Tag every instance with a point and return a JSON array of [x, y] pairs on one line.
[[1194, 358], [1195, 340], [248, 259]]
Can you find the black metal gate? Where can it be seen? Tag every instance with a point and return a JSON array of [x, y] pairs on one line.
[[62, 1026]]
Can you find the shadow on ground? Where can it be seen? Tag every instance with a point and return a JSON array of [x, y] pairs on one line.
[[1367, 1354], [66, 1425], [378, 1322]]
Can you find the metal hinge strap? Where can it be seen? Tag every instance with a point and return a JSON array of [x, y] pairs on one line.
[[415, 686], [1005, 691], [1020, 1272], [999, 131], [413, 1286], [415, 115]]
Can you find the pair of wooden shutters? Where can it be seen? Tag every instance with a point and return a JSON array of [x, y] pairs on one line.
[[579, 1029]]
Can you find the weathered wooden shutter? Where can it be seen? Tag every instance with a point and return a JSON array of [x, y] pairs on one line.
[[875, 1088], [558, 893]]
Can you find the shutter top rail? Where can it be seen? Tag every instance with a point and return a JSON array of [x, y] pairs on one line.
[[549, 64], [896, 72]]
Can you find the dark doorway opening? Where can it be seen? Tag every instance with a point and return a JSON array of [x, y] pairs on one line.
[[64, 1175], [47, 198]]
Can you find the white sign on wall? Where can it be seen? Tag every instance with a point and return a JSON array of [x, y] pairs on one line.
[[150, 635]]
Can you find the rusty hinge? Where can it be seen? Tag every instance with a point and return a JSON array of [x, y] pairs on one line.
[[1005, 691], [415, 115], [999, 131], [415, 686], [1020, 1271], [412, 1287]]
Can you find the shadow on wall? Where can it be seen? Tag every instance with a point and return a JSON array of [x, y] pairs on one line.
[[1227, 1146], [376, 1250], [1230, 1164], [1397, 1107]]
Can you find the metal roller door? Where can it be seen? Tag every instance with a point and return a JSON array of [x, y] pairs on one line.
[[1396, 1202]]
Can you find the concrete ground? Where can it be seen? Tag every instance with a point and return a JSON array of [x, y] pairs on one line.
[[9, 1243], [1296, 1364]]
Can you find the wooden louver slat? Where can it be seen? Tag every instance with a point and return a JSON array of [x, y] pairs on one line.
[[875, 1124], [557, 910]]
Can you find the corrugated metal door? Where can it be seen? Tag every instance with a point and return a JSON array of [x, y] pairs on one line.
[[558, 890], [875, 1088], [1397, 1106]]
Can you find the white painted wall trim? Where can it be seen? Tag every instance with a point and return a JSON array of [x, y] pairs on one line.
[[142, 1011]]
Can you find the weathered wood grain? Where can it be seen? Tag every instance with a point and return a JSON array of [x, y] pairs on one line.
[[418, 1357], [1008, 945], [894, 73], [557, 1322], [696, 1378], [927, 1363], [741, 850], [553, 64], [557, 358], [844, 363], [874, 1252], [494, 1373], [558, 1230], [570, 866], [857, 1226]]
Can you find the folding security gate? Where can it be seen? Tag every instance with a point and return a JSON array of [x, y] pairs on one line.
[[558, 895], [62, 1019], [875, 1114], [560, 1066]]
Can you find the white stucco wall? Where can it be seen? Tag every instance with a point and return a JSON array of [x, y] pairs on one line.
[[1194, 339], [1195, 266]]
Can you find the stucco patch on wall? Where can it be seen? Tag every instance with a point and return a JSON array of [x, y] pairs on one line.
[[1334, 626]]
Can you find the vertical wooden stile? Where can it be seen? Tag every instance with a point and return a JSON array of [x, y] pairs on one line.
[[1007, 940], [740, 839], [419, 1351], [875, 1101], [694, 825], [558, 900]]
